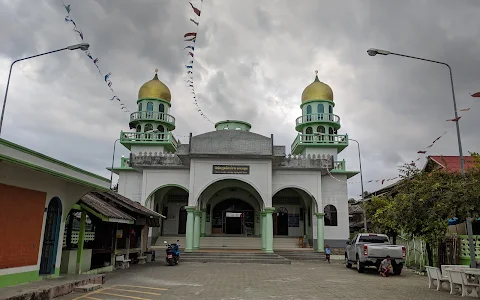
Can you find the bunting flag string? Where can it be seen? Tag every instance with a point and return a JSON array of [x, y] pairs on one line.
[[106, 76], [190, 38], [423, 152]]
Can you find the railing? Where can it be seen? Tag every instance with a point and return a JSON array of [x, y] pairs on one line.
[[152, 115], [149, 159], [339, 165], [318, 118], [148, 137], [327, 139], [125, 162]]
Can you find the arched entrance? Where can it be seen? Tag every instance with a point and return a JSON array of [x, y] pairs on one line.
[[51, 236], [280, 221], [182, 220], [233, 216]]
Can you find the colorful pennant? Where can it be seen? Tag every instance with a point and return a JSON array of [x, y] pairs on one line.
[[106, 77]]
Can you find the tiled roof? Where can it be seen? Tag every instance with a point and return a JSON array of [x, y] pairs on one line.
[[232, 142], [128, 204], [452, 163], [104, 208]]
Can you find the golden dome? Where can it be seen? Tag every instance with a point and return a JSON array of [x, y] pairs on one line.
[[317, 90], [155, 89]]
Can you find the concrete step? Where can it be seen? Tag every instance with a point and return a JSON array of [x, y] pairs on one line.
[[237, 260], [301, 255], [188, 254], [87, 288], [235, 242], [233, 257]]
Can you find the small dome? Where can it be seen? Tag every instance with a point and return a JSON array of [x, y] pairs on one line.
[[317, 90], [155, 89]]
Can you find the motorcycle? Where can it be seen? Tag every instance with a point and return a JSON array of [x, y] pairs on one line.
[[173, 253]]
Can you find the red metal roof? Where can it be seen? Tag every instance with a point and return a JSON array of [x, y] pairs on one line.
[[452, 163]]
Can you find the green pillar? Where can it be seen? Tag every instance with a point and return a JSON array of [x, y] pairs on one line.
[[203, 230], [269, 229], [189, 231], [81, 241], [320, 238], [196, 229], [262, 228]]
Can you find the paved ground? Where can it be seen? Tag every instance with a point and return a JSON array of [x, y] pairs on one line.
[[248, 281]]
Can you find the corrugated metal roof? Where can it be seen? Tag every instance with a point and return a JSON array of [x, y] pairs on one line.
[[104, 208], [129, 204]]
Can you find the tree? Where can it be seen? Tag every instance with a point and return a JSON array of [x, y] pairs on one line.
[[352, 201], [422, 203]]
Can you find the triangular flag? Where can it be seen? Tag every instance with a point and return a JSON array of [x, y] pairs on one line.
[[476, 95], [196, 23], [455, 120], [196, 10], [190, 34]]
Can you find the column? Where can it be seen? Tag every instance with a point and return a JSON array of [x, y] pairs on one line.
[[269, 229], [196, 230], [320, 238], [203, 229], [81, 241], [189, 231], [262, 228]]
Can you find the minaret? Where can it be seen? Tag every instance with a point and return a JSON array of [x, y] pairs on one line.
[[152, 122], [318, 125]]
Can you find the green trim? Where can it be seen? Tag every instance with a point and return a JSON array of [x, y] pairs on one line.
[[164, 186], [317, 100], [17, 278], [233, 121], [53, 173], [156, 99], [48, 158], [103, 217], [117, 170], [76, 206]]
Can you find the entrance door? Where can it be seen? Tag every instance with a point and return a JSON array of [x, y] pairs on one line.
[[281, 221], [233, 216], [182, 221], [50, 237], [233, 223]]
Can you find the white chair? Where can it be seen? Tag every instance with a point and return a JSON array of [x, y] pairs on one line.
[[469, 285], [456, 281], [452, 267], [436, 277]]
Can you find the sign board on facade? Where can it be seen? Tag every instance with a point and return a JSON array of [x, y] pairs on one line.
[[293, 220], [229, 169]]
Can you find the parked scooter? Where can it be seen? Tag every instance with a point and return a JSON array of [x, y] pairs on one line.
[[173, 253]]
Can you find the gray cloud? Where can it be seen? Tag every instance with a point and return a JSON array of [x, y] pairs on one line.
[[253, 61]]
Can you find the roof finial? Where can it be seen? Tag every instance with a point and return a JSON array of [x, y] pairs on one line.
[[316, 76], [156, 70]]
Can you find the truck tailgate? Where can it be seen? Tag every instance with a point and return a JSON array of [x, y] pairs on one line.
[[381, 250]]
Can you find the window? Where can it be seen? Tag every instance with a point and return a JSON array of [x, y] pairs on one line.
[[309, 130], [320, 111], [374, 239], [309, 112], [161, 108], [330, 130], [148, 127], [330, 218], [139, 106], [330, 109], [161, 135], [139, 128], [160, 128], [149, 106], [321, 130]]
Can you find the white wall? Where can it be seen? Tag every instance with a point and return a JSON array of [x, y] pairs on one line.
[[156, 178], [201, 177], [335, 193], [130, 185], [308, 181]]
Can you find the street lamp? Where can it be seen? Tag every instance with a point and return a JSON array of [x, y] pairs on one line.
[[82, 46], [113, 160], [361, 184], [373, 52]]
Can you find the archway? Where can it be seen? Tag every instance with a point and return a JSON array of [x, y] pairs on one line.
[[51, 237], [230, 206], [233, 216], [294, 210]]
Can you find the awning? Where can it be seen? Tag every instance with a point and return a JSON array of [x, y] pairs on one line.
[[104, 211]]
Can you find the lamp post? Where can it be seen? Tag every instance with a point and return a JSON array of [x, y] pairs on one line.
[[82, 46], [373, 52], [361, 184], [113, 160]]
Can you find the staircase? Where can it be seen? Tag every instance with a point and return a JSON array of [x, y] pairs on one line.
[[234, 257], [233, 242], [302, 255]]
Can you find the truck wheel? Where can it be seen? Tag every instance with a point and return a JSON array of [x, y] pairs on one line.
[[397, 269], [348, 264], [360, 266]]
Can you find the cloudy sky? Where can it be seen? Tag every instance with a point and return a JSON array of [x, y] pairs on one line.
[[253, 60]]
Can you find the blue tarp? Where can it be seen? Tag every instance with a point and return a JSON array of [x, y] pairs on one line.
[[455, 221]]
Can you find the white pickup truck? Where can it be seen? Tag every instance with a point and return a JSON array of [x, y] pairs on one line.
[[369, 249]]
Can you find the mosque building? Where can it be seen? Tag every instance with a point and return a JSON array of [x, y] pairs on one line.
[[234, 188]]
